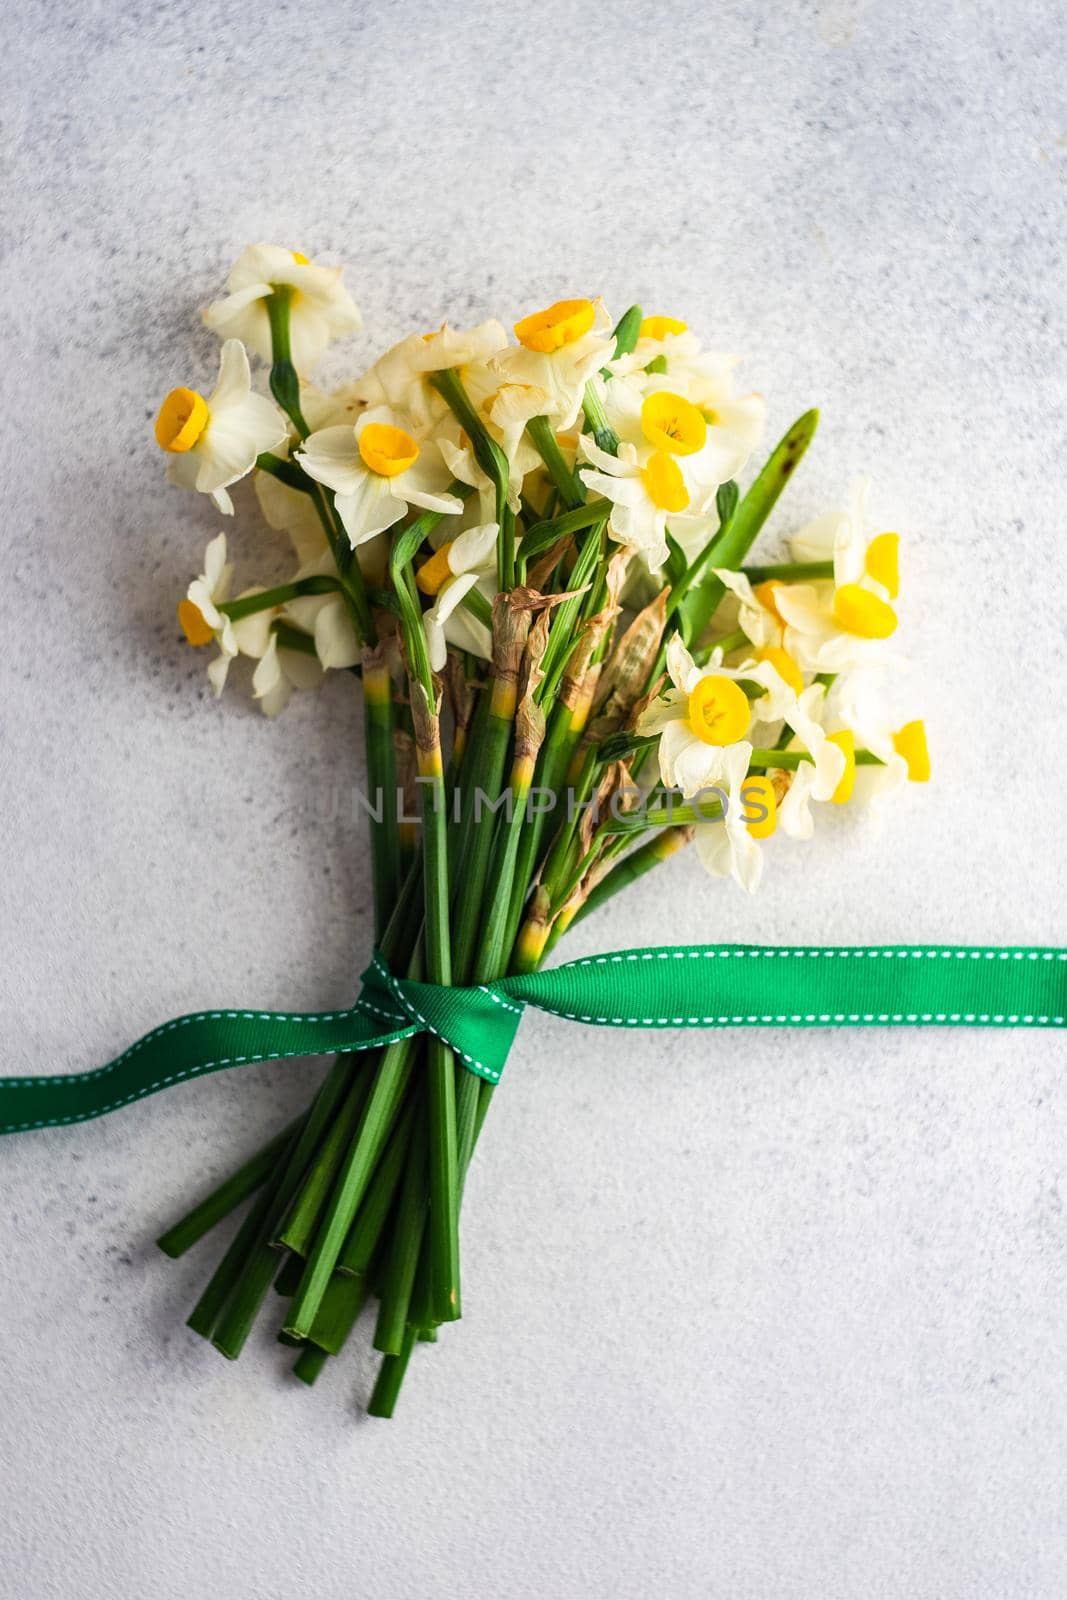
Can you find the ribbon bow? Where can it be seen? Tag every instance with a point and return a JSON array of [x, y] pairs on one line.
[[689, 986]]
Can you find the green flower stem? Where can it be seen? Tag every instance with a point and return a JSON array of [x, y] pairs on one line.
[[421, 1314], [285, 387], [404, 1247], [380, 752], [738, 640], [597, 419], [563, 854], [397, 941], [351, 575], [560, 889], [205, 1314], [298, 1227], [651, 854], [284, 382], [267, 1209], [461, 809], [553, 762], [475, 886], [228, 1196], [491, 960], [624, 746], [363, 1236], [502, 891], [387, 1093], [341, 1306], [790, 571], [293, 639], [543, 535], [249, 1290], [249, 604], [544, 440], [702, 592], [309, 1363], [676, 813], [391, 1377], [493, 462], [291, 473], [478, 606], [761, 759], [488, 781], [565, 636], [440, 1063], [288, 1280]]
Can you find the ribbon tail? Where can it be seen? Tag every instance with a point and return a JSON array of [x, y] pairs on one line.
[[709, 986], [190, 1047]]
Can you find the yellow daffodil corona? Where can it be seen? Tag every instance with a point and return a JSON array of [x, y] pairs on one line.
[[561, 324], [719, 712]]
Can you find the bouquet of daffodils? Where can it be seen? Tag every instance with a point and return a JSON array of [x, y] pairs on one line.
[[534, 554]]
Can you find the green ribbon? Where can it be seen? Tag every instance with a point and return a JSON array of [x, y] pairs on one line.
[[692, 986]]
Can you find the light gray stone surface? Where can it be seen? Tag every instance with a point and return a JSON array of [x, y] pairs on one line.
[[749, 1315]]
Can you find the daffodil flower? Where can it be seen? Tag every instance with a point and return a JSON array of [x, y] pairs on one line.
[[203, 623], [730, 847], [507, 430], [377, 469], [214, 442], [901, 748], [293, 512], [809, 624], [830, 774], [665, 471], [400, 377], [328, 620], [704, 713], [841, 625], [757, 614], [559, 350], [734, 423], [320, 307], [278, 672], [456, 567]]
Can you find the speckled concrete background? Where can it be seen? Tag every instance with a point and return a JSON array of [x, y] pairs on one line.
[[748, 1315]]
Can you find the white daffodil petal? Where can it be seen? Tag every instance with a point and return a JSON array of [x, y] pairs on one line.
[[794, 811], [291, 511], [252, 634], [303, 671], [686, 762], [761, 626], [369, 508], [681, 667], [474, 548], [670, 706], [772, 706], [332, 457], [817, 540], [217, 672], [215, 564], [714, 849], [435, 620], [335, 641]]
